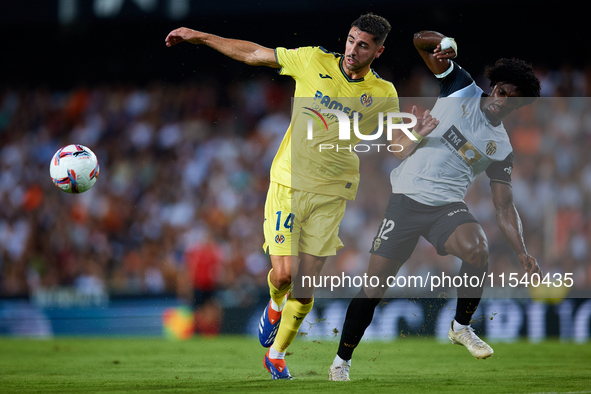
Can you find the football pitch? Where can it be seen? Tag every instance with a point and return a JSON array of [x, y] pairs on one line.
[[235, 364]]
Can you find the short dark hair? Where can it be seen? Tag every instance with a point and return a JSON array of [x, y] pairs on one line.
[[517, 73], [373, 24]]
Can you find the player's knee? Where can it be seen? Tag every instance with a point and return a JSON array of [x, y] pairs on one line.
[[281, 277], [477, 255]]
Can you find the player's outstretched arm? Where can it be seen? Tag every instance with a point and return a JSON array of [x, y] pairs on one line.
[[429, 45], [425, 125], [243, 51], [511, 227]]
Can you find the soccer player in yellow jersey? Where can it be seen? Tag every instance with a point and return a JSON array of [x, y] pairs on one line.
[[309, 187]]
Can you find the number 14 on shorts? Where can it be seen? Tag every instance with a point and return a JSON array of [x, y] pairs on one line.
[[288, 221]]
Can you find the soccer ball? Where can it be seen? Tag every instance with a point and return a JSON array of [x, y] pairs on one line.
[[74, 168]]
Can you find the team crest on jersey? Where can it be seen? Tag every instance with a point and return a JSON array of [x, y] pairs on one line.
[[376, 243], [279, 239], [491, 148], [366, 100]]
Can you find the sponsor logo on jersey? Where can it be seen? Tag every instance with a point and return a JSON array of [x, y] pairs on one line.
[[279, 239], [491, 148], [454, 137], [366, 100], [456, 141], [325, 76], [329, 103]]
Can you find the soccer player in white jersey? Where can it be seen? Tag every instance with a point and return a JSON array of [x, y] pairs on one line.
[[301, 223], [428, 188]]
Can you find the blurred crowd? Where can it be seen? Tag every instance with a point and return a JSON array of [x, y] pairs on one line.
[[184, 171]]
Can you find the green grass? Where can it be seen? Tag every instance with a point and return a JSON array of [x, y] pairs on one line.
[[235, 364]]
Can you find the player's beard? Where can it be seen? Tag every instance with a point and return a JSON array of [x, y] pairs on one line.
[[355, 67]]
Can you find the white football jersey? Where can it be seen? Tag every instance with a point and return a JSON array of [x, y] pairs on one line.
[[463, 145]]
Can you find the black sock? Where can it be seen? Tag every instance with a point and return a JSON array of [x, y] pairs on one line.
[[359, 316], [468, 296]]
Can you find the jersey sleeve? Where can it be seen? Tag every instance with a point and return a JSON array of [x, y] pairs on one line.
[[294, 62], [453, 80], [500, 171]]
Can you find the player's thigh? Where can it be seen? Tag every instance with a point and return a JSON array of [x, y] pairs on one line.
[[318, 218], [281, 235], [455, 230], [309, 266], [469, 243]]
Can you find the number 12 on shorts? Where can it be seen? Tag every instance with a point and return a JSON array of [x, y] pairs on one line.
[[287, 224], [387, 226]]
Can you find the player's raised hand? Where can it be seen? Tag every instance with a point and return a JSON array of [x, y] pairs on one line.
[[182, 34], [529, 264], [441, 54], [425, 122]]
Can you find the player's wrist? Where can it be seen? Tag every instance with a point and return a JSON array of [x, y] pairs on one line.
[[418, 137]]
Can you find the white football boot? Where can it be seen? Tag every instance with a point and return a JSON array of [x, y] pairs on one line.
[[339, 373], [466, 337]]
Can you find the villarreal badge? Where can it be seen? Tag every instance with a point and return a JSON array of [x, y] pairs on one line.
[[376, 243], [279, 239], [366, 100]]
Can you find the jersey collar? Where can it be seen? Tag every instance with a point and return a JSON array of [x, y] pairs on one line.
[[341, 60]]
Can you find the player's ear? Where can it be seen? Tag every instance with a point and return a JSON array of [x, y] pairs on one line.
[[379, 52]]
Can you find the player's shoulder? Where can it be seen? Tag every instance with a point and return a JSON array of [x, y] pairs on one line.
[[458, 82], [324, 52], [316, 51], [316, 54], [305, 50]]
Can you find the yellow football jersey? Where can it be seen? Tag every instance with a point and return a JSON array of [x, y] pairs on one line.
[[313, 155]]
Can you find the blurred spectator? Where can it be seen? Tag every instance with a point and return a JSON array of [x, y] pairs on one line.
[[204, 265]]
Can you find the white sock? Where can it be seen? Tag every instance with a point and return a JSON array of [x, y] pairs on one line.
[[275, 354], [340, 361], [277, 308], [459, 327]]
